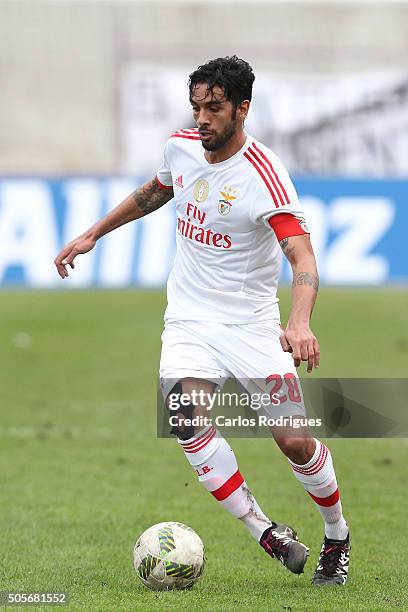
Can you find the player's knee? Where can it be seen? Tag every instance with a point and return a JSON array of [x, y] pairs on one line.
[[173, 399], [297, 449], [181, 414]]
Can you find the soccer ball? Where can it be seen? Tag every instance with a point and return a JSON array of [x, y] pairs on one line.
[[169, 556]]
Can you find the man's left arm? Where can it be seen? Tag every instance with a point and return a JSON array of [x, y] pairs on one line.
[[298, 338]]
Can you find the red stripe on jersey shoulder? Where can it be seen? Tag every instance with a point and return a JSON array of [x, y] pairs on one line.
[[185, 136], [248, 154], [265, 169], [269, 163], [189, 133]]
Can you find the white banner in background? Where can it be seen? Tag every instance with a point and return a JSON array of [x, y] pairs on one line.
[[336, 125]]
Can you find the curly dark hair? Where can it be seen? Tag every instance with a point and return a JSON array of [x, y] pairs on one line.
[[234, 75]]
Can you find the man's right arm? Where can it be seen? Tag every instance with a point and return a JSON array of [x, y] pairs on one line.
[[148, 198]]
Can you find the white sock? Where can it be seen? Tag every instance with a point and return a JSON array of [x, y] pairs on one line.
[[214, 462], [319, 480]]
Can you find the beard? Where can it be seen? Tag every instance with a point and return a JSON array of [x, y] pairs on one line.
[[220, 139]]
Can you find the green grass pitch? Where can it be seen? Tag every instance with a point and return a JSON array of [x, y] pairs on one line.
[[82, 473]]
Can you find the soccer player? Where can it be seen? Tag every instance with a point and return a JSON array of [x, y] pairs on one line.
[[235, 206]]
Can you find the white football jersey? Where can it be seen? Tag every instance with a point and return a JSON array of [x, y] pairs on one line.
[[228, 258]]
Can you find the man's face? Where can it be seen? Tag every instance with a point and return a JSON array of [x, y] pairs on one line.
[[215, 116]]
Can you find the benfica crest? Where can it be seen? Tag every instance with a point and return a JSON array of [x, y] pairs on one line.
[[227, 198]]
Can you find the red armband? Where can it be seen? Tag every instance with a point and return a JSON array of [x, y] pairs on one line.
[[285, 225]]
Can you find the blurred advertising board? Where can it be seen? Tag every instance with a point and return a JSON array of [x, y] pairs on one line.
[[358, 232]]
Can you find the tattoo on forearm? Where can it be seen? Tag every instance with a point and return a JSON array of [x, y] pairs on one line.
[[286, 248], [151, 196], [306, 278]]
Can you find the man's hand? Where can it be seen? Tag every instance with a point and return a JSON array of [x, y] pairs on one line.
[[66, 257], [298, 338], [303, 344], [149, 197]]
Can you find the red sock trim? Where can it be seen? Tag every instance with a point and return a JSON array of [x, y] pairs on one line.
[[200, 442], [316, 466], [326, 501], [229, 486]]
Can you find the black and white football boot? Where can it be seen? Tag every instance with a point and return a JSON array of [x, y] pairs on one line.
[[281, 542], [333, 564]]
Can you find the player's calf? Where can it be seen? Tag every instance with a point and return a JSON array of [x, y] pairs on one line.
[[214, 462], [182, 414], [188, 403]]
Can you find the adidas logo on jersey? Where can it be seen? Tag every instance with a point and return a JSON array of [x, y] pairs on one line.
[[179, 181]]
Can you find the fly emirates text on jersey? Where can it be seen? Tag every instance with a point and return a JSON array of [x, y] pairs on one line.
[[192, 228]]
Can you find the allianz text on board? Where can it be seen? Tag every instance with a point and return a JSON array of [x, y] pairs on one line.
[[356, 227]]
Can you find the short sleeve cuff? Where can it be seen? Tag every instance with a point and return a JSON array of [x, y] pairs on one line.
[[162, 185]]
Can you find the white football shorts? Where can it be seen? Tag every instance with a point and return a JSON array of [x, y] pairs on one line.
[[250, 353]]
